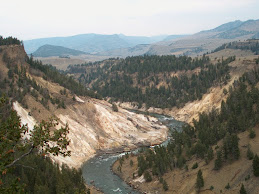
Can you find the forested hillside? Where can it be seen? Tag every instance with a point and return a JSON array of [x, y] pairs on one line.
[[157, 81], [239, 113], [24, 163], [252, 45]]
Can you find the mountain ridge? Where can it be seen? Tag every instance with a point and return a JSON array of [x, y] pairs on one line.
[[91, 42], [48, 50]]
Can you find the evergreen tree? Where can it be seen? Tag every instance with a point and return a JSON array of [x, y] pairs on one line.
[[147, 176], [210, 154], [256, 165], [249, 153], [218, 161], [242, 189], [165, 185], [199, 180]]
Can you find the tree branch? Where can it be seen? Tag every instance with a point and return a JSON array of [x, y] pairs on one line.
[[22, 156]]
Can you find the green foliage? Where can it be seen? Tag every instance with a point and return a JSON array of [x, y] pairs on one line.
[[21, 168], [247, 177], [242, 190], [142, 165], [199, 180], [186, 167], [131, 163], [256, 165], [51, 73], [10, 41], [195, 165], [147, 176], [245, 45], [238, 113], [225, 91], [116, 79], [121, 160], [199, 149], [252, 134], [218, 161], [38, 174], [227, 186], [165, 185], [42, 135], [210, 154], [230, 146], [249, 153]]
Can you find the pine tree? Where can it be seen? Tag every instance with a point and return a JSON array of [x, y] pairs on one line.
[[249, 153], [256, 165], [210, 154], [218, 161], [242, 190], [165, 185], [199, 181]]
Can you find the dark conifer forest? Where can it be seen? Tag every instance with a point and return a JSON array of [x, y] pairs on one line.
[[151, 79]]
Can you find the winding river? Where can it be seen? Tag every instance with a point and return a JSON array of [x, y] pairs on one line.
[[97, 171]]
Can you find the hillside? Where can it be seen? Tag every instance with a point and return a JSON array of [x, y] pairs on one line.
[[165, 82], [40, 92], [59, 51], [220, 142], [182, 87], [249, 45], [234, 173], [153, 81], [196, 44], [92, 43], [119, 45], [207, 41]]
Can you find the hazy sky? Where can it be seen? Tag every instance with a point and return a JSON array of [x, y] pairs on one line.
[[28, 19]]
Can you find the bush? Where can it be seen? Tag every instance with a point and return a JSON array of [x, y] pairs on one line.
[[195, 166], [249, 153], [165, 186], [227, 186], [252, 134], [147, 176], [256, 165], [114, 107], [131, 163]]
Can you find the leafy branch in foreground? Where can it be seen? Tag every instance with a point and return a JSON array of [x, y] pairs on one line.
[[15, 146]]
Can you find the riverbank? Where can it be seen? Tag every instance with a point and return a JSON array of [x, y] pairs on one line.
[[128, 172], [127, 169]]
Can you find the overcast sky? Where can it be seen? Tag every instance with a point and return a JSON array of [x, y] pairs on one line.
[[29, 19]]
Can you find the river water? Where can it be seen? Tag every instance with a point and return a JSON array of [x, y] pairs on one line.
[[97, 170]]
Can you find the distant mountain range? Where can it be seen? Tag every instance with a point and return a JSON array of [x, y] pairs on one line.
[[119, 45], [207, 41], [51, 50], [93, 43]]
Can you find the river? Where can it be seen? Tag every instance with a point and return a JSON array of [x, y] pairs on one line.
[[97, 170]]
